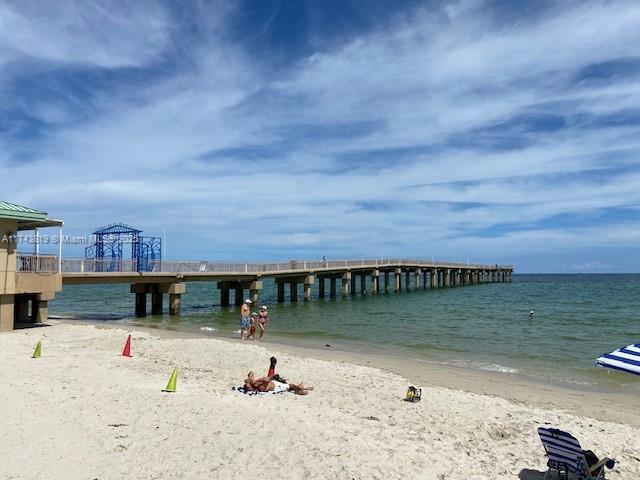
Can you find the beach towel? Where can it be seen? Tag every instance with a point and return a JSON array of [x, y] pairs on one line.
[[242, 390]]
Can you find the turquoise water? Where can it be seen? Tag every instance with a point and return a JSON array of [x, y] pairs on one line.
[[578, 317]]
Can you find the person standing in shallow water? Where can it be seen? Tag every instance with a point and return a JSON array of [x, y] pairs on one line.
[[263, 320], [245, 312]]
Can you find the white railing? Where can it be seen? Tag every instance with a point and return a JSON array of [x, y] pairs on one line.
[[49, 263], [72, 265], [36, 263]]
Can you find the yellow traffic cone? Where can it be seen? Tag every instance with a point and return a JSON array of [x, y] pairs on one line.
[[37, 351], [173, 379]]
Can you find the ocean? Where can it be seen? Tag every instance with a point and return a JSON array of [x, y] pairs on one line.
[[485, 327]]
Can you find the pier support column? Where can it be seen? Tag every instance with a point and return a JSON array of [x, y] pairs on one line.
[[346, 279], [363, 283], [407, 280], [424, 279], [280, 293], [447, 278], [375, 284], [333, 287], [141, 304], [156, 300], [386, 281], [321, 280], [175, 291], [140, 290], [224, 297], [397, 287], [175, 302], [254, 290], [239, 297], [416, 279], [308, 282], [433, 274], [510, 275], [293, 289], [353, 282], [254, 296]]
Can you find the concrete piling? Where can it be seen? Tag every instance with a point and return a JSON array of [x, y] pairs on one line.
[[346, 279]]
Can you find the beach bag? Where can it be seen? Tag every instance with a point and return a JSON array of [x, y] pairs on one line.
[[413, 394]]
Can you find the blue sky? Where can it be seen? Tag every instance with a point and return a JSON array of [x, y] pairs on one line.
[[488, 131]]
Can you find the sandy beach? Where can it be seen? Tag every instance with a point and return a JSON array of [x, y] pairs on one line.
[[83, 411]]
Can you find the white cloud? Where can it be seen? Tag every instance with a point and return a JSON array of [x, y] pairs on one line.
[[233, 156], [102, 34]]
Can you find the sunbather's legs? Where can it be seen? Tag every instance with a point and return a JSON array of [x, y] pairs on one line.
[[299, 389]]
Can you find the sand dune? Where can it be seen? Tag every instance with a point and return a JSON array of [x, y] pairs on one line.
[[82, 411]]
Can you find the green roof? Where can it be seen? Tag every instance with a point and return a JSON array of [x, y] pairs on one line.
[[12, 211]]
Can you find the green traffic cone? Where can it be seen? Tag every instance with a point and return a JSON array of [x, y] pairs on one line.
[[173, 379], [37, 351]]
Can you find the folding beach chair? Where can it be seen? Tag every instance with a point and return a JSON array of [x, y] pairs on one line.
[[566, 456]]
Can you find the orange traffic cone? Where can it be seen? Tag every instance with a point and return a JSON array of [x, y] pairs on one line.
[[127, 348]]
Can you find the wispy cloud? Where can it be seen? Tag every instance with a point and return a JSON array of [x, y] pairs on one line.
[[451, 132], [107, 35]]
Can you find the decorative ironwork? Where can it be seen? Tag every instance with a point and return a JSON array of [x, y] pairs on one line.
[[109, 245]]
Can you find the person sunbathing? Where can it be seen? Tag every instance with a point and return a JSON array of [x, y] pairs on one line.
[[267, 384]]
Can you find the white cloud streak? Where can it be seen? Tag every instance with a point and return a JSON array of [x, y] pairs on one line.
[[406, 139]]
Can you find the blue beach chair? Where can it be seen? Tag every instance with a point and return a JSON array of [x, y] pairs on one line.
[[566, 456]]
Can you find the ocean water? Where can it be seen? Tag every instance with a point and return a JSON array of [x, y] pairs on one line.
[[487, 327]]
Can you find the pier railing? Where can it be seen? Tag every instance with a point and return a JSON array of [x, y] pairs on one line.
[[49, 263], [37, 263]]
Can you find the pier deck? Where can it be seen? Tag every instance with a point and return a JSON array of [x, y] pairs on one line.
[[169, 277]]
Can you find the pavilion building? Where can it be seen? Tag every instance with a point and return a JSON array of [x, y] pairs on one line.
[[28, 280]]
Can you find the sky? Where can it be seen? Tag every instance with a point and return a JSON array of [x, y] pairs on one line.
[[482, 131]]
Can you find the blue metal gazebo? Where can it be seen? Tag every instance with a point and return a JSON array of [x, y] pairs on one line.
[[109, 244]]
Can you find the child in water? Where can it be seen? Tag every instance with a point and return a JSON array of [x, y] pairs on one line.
[[252, 326]]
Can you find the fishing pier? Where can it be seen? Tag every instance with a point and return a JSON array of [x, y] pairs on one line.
[[342, 277], [29, 281]]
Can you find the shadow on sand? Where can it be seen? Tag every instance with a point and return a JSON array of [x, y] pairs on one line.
[[528, 474], [21, 326]]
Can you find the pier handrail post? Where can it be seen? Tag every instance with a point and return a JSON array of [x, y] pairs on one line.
[[60, 250], [246, 267]]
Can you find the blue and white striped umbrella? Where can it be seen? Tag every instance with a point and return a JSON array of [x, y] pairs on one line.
[[626, 359]]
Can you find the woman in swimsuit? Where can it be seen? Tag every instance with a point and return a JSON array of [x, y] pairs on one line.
[[266, 384], [263, 320]]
